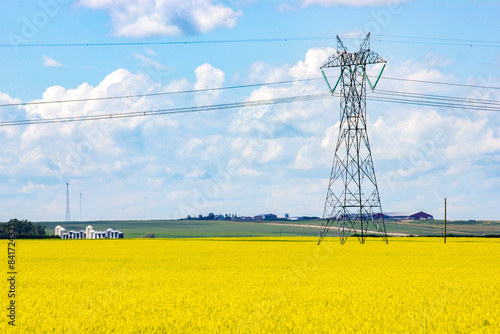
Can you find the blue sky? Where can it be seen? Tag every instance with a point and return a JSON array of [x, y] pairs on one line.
[[249, 160]]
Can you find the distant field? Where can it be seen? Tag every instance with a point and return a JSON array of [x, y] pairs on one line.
[[456, 227], [223, 228], [256, 285], [189, 228]]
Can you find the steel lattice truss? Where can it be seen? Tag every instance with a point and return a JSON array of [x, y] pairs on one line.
[[352, 200]]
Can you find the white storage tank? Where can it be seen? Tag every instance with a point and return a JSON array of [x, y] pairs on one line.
[[57, 230], [89, 230], [108, 232]]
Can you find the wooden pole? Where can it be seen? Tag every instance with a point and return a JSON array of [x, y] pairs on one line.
[[445, 220]]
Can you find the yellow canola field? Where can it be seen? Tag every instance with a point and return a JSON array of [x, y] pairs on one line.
[[256, 285]]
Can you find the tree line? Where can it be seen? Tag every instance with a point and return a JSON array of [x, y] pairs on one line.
[[24, 229], [212, 216]]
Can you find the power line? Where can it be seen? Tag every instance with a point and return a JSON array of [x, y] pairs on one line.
[[222, 41], [392, 97], [399, 39], [291, 99], [438, 43], [438, 38], [479, 102], [432, 104], [441, 83], [432, 100], [226, 88], [158, 94]]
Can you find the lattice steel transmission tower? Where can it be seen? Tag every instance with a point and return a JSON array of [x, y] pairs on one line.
[[68, 218], [352, 200]]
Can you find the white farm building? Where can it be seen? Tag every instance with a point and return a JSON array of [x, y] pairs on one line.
[[89, 233]]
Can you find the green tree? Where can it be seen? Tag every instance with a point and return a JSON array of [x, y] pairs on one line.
[[23, 229]]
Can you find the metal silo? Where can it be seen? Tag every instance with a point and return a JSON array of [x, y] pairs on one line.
[[89, 229]]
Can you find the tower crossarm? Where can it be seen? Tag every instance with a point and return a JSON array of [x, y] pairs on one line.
[[362, 57]]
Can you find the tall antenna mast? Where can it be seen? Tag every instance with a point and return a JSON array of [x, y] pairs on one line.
[[353, 200], [68, 218], [80, 205]]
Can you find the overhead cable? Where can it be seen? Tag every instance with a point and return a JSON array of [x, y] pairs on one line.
[[169, 111], [381, 38], [225, 88]]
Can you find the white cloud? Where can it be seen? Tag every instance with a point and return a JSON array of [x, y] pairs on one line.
[[196, 172], [148, 62], [142, 18], [87, 149], [9, 114], [309, 68], [276, 158], [47, 61], [244, 171], [272, 151], [208, 77], [263, 72], [188, 147], [434, 60], [413, 143]]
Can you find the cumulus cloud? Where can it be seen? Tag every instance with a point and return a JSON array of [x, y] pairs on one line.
[[138, 18], [309, 68], [207, 77], [435, 60], [276, 157], [47, 61], [409, 143], [9, 114], [84, 149]]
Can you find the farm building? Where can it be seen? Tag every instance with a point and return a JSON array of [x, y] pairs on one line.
[[421, 215], [407, 215], [89, 233], [265, 216]]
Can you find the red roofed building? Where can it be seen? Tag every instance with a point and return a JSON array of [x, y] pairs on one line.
[[421, 215]]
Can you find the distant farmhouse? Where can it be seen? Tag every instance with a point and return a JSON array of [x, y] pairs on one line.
[[407, 215], [89, 233], [265, 216], [271, 216]]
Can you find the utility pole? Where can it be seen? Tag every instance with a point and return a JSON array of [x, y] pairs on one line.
[[353, 200], [445, 220]]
